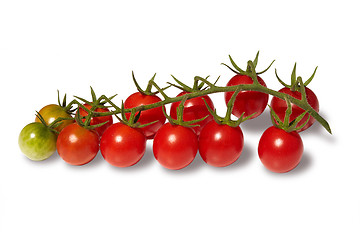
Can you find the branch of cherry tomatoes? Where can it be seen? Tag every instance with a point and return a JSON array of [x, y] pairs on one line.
[[77, 134]]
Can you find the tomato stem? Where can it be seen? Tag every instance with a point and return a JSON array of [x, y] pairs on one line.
[[212, 88]]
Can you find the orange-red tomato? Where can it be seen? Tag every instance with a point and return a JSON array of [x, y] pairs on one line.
[[77, 145], [51, 112]]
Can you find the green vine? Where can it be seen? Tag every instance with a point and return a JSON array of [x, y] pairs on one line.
[[211, 88]]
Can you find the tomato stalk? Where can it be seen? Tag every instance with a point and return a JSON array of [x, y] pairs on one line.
[[217, 89], [211, 88], [227, 119]]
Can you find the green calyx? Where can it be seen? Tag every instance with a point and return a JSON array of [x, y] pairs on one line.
[[197, 87], [57, 122], [286, 124], [227, 119], [133, 119], [151, 83], [179, 115], [295, 81], [68, 108], [249, 70]]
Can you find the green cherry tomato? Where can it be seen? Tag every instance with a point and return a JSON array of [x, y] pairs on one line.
[[37, 142]]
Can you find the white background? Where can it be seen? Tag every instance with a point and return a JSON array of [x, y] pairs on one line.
[[72, 45]]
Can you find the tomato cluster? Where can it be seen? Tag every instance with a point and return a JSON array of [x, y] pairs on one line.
[[193, 125]]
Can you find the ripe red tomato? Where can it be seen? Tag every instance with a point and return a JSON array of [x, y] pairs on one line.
[[122, 146], [51, 112], [77, 145], [280, 151], [175, 146], [147, 116], [247, 102], [97, 120], [279, 106], [219, 144], [194, 108]]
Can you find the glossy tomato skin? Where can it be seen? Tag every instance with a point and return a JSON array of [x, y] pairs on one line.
[[280, 151], [194, 108], [147, 116], [37, 142], [98, 120], [220, 145], [175, 146], [247, 102], [51, 112], [77, 145], [279, 106], [122, 146]]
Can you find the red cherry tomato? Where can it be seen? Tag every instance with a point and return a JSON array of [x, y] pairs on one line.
[[279, 106], [219, 144], [247, 102], [98, 120], [147, 116], [280, 151], [194, 108], [175, 146], [122, 146], [77, 145]]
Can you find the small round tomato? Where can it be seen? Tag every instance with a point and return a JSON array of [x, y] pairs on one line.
[[77, 145], [194, 108], [122, 146], [147, 116], [279, 106], [175, 146], [280, 151], [247, 102], [219, 144], [37, 141], [97, 120], [51, 112]]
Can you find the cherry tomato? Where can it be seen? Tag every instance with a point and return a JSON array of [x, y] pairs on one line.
[[247, 102], [37, 142], [77, 145], [97, 120], [122, 146], [147, 116], [219, 144], [194, 108], [280, 151], [279, 106], [51, 112], [175, 146]]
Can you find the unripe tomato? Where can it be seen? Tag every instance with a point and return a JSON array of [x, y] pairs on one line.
[[37, 142]]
